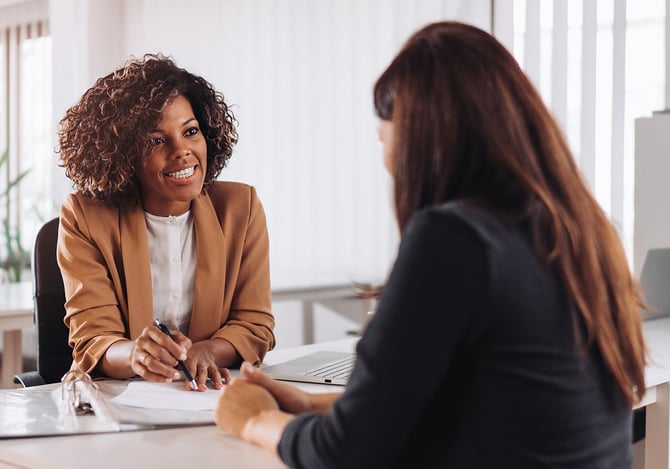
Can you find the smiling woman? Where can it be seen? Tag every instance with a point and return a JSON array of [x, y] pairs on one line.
[[174, 172], [144, 147]]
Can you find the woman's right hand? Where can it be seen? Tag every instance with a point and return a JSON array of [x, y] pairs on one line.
[[290, 398], [154, 356]]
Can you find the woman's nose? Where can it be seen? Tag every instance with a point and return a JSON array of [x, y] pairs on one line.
[[181, 149]]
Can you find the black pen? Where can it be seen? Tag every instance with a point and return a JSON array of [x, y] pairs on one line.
[[182, 365]]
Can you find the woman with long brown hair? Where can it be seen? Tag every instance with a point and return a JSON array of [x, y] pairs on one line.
[[508, 333]]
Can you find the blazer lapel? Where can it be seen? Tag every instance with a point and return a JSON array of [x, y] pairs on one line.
[[137, 268], [210, 274]]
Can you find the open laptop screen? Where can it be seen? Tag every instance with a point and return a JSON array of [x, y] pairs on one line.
[[655, 283]]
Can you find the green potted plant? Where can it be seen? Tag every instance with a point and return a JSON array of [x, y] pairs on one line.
[[15, 259]]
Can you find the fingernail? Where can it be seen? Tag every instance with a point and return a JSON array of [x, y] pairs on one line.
[[176, 375], [183, 357], [248, 367]]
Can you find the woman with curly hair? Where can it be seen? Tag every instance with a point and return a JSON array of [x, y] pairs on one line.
[[508, 334], [149, 234]]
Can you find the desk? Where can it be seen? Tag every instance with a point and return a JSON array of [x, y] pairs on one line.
[[204, 446], [314, 288], [16, 313], [657, 397], [208, 446]]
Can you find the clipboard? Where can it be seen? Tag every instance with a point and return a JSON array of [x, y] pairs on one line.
[[81, 405], [37, 411]]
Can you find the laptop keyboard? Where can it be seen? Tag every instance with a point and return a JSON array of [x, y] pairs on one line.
[[338, 369]]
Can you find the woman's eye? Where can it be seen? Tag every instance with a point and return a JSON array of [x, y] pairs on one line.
[[157, 140], [192, 131]]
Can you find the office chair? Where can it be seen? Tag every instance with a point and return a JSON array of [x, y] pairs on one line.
[[54, 355]]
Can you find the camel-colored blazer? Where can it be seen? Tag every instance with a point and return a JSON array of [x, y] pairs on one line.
[[103, 254]]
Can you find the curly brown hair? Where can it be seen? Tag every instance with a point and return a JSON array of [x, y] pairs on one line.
[[104, 138]]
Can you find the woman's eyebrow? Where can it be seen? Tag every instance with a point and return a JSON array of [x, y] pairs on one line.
[[186, 122]]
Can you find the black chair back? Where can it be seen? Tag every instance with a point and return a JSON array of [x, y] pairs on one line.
[[54, 355]]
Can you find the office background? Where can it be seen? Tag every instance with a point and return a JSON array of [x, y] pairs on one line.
[[299, 74]]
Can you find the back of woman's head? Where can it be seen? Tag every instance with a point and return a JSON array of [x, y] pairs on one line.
[[104, 137], [469, 125]]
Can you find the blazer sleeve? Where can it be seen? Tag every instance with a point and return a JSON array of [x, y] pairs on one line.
[[93, 315], [250, 323]]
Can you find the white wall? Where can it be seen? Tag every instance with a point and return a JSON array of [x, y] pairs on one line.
[[652, 186], [86, 43], [300, 73]]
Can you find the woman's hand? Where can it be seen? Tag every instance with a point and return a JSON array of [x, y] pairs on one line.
[[240, 401], [249, 411], [154, 356], [257, 408], [290, 398], [203, 361]]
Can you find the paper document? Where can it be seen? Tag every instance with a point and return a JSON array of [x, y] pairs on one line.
[[171, 396]]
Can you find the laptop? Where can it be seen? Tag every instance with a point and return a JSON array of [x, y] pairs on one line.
[[324, 367], [655, 283]]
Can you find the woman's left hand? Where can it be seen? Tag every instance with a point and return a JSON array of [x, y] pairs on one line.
[[239, 402], [201, 362]]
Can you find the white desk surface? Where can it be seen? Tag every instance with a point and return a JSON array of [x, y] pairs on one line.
[[204, 446], [190, 447], [657, 397], [16, 313], [657, 335], [15, 300]]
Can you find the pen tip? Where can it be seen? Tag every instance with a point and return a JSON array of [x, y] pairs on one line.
[[194, 385]]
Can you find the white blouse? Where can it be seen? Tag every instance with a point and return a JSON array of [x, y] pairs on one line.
[[173, 263]]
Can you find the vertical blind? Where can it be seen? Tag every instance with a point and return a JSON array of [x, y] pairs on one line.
[[25, 97], [300, 74], [596, 64]]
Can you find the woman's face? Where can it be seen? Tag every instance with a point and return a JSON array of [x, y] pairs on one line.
[[385, 131], [174, 173]]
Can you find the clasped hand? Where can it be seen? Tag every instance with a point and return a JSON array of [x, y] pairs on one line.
[[253, 394]]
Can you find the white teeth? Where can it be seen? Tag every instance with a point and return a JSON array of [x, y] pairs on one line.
[[183, 174]]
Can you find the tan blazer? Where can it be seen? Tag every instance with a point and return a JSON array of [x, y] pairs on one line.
[[103, 253]]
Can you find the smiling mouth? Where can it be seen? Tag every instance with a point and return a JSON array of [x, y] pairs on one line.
[[183, 174]]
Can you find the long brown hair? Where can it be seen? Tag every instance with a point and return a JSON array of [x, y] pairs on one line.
[[469, 125]]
